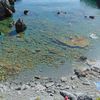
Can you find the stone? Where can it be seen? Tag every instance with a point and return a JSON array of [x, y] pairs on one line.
[[37, 77], [6, 9], [73, 77], [73, 87], [64, 87], [19, 92], [64, 79], [49, 84], [91, 17], [61, 13], [84, 98], [93, 36], [20, 26], [95, 69], [82, 58], [18, 88], [26, 12], [11, 2], [85, 82], [40, 87], [58, 13], [73, 42], [24, 87], [79, 73]]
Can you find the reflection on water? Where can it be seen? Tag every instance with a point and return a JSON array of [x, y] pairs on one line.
[[36, 51]]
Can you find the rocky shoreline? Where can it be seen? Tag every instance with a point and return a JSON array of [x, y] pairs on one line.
[[45, 88]]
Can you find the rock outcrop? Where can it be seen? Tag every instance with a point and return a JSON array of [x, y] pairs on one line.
[[20, 26], [6, 9]]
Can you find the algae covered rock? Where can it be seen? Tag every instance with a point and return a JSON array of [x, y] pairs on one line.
[[4, 25], [74, 42]]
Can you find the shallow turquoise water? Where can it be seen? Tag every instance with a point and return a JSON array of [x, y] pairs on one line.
[[44, 25]]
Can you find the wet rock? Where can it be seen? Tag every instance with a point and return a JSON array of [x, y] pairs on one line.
[[20, 26], [37, 77], [58, 12], [82, 58], [73, 42], [61, 13], [5, 10], [73, 77], [18, 88], [79, 73], [26, 12], [91, 17]]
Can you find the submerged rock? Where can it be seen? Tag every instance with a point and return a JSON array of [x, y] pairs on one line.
[[75, 42]]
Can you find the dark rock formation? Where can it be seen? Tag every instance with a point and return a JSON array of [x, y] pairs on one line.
[[91, 17], [98, 3], [20, 26], [6, 10], [26, 12], [11, 2]]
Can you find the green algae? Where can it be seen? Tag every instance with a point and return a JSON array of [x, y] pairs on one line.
[[5, 26]]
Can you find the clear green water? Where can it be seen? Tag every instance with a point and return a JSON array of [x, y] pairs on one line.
[[43, 27]]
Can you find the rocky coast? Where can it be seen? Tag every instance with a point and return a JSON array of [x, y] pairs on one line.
[[49, 41], [80, 83]]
